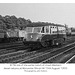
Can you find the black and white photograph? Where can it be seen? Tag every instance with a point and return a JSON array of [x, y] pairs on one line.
[[37, 33]]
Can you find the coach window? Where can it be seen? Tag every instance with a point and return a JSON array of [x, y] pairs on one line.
[[47, 29]]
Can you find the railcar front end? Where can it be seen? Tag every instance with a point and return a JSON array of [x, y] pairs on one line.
[[32, 35]]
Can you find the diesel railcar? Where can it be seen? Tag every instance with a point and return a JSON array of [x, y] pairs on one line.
[[45, 34]]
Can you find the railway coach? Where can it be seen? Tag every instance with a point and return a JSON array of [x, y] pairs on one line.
[[45, 33]]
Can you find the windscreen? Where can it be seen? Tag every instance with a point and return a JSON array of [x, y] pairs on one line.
[[29, 29], [37, 30]]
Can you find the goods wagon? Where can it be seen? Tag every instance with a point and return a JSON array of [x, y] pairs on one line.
[[2, 35], [12, 35], [45, 34]]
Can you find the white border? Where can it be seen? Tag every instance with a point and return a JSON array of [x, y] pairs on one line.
[[37, 1]]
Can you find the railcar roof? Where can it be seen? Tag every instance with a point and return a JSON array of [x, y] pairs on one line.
[[43, 24]]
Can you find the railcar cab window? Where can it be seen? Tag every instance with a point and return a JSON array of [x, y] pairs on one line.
[[37, 30], [29, 29]]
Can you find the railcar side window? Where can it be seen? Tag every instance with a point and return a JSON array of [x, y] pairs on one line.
[[61, 29], [53, 29]]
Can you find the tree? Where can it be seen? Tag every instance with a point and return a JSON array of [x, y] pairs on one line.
[[11, 22], [2, 25]]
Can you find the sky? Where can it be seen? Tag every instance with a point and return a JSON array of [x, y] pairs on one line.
[[58, 13]]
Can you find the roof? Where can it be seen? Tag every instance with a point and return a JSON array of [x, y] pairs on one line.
[[43, 24]]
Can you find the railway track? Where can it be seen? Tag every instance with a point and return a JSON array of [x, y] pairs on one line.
[[13, 56], [14, 52], [18, 57], [71, 59], [18, 53], [34, 56], [12, 48], [61, 57], [44, 58], [8, 45]]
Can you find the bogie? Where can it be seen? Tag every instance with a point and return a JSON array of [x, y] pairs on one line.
[[45, 43]]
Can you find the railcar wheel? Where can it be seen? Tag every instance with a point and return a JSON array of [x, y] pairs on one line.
[[45, 43]]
